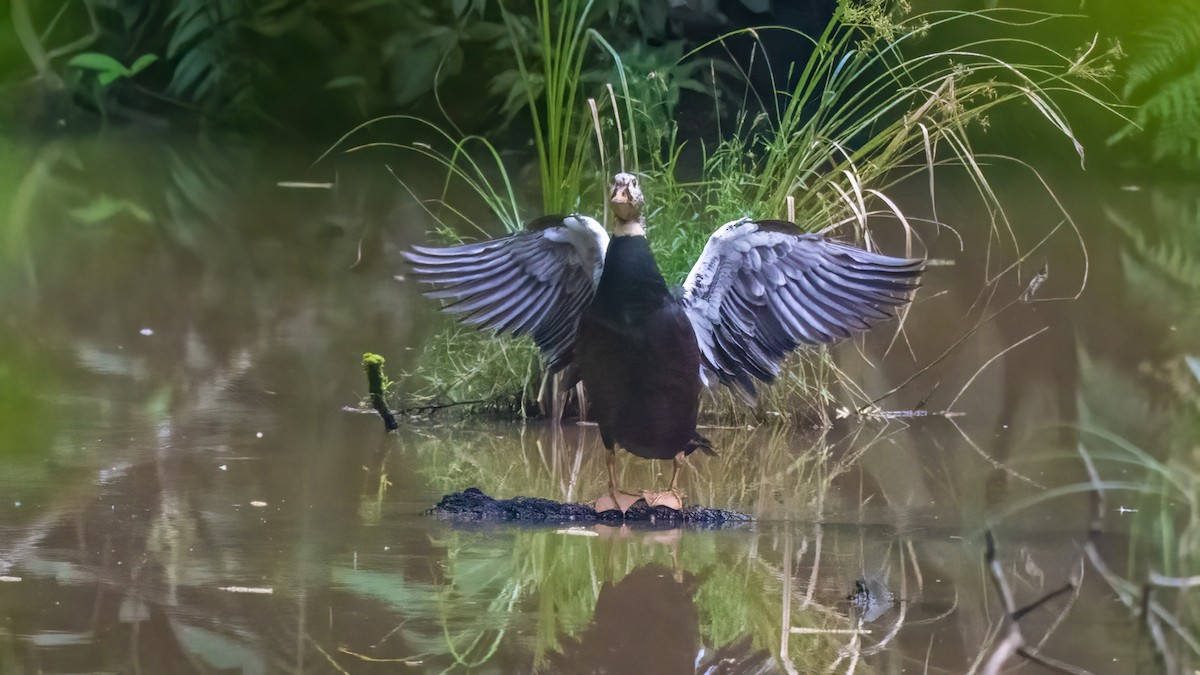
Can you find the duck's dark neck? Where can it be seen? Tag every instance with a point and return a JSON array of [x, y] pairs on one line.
[[631, 276]]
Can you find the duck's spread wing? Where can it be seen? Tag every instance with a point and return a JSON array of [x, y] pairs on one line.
[[760, 289], [537, 282]]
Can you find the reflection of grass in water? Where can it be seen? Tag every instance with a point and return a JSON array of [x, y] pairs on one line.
[[498, 581], [1163, 566], [1143, 419], [1123, 419], [564, 572], [1161, 261], [509, 577], [1161, 503], [737, 595], [771, 472]]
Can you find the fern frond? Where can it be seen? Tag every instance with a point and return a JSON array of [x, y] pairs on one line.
[[1163, 80], [1167, 47], [1173, 115], [1169, 251]]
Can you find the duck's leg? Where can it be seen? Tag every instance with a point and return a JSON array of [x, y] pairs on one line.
[[548, 400], [581, 397], [615, 499], [670, 498]]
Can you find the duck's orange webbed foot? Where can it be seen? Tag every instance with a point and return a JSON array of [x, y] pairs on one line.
[[671, 499], [616, 500]]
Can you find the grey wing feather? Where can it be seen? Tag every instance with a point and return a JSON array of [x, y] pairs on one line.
[[761, 289], [537, 282]]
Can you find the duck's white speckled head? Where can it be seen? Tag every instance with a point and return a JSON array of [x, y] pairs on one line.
[[626, 201]]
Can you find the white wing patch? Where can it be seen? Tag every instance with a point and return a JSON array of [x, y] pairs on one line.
[[588, 238]]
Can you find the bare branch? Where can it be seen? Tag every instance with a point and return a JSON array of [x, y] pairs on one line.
[[1014, 642]]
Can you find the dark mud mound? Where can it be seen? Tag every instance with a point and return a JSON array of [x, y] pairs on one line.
[[472, 505]]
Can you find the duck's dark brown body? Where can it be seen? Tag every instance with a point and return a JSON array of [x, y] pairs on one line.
[[638, 359]]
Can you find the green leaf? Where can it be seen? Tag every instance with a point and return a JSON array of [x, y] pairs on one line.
[[100, 209], [142, 63], [98, 62], [107, 77], [346, 81], [209, 82], [217, 652], [194, 64], [138, 211], [483, 31], [419, 64], [274, 24], [185, 33], [106, 206], [185, 10]]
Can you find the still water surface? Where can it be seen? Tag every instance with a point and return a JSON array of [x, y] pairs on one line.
[[181, 489]]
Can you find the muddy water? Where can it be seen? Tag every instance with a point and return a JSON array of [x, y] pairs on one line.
[[182, 491]]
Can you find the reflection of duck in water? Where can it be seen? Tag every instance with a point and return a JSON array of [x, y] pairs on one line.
[[601, 310], [647, 623]]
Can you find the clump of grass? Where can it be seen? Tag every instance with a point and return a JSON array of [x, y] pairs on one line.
[[865, 113], [869, 110], [559, 134], [459, 365]]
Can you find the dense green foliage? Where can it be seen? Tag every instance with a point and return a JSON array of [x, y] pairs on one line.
[[1162, 79], [310, 65], [319, 66], [236, 63]]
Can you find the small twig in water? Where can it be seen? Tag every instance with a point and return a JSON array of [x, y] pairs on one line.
[[439, 406], [1156, 631], [992, 460], [1157, 579], [372, 659], [804, 630], [373, 364], [326, 654]]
